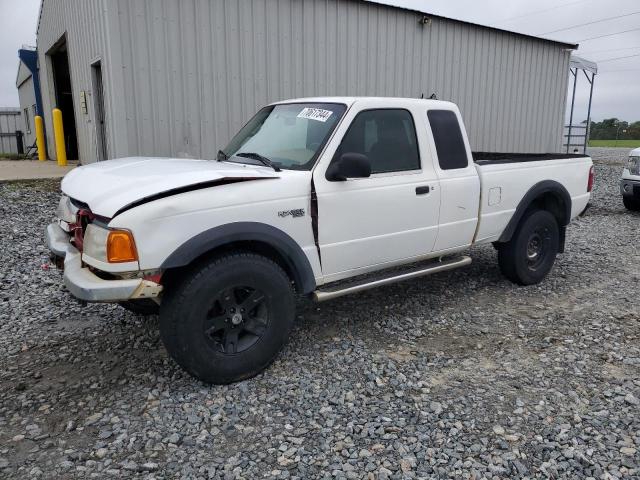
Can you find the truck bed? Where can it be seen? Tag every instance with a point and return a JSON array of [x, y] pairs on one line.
[[507, 177], [488, 158]]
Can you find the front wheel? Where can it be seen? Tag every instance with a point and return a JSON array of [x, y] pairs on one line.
[[631, 203], [227, 320], [530, 254]]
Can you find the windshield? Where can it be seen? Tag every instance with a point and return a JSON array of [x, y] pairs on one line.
[[289, 135]]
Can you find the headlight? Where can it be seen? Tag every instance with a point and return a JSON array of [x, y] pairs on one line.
[[95, 242], [109, 246], [634, 165]]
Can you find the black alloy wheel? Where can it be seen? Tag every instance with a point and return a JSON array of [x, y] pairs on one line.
[[529, 256], [227, 318], [538, 247], [237, 320]]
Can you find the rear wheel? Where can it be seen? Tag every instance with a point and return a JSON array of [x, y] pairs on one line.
[[227, 320], [530, 254], [631, 203]]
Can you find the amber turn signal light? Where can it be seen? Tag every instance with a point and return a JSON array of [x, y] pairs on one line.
[[121, 247]]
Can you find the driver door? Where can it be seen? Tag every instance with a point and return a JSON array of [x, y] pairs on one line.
[[389, 218]]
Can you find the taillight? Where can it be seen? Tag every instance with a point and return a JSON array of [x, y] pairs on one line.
[[592, 177]]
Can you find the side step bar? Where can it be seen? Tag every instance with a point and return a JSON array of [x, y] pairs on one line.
[[367, 283]]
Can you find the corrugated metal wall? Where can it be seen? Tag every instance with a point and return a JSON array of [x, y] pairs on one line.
[[23, 74], [27, 97], [10, 121], [82, 22], [185, 74]]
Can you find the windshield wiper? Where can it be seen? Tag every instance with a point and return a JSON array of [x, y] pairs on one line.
[[262, 159]]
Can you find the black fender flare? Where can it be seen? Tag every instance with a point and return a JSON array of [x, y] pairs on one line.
[[288, 249], [546, 186]]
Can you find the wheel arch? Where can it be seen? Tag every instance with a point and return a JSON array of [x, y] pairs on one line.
[[255, 237], [546, 195]]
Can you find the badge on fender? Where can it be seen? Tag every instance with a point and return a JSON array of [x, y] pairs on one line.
[[299, 212]]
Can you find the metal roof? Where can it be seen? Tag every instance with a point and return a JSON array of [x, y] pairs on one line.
[[387, 3], [583, 64], [572, 46]]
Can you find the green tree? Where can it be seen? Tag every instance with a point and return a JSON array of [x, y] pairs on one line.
[[612, 128]]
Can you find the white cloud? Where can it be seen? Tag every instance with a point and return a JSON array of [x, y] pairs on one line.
[[617, 89], [18, 21]]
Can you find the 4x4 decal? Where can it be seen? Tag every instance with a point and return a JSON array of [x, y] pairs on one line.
[[299, 212]]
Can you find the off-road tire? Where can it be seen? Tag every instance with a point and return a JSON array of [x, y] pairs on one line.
[[144, 306], [201, 300], [530, 254], [631, 203]]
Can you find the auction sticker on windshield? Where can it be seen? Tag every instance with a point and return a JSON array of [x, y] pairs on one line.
[[315, 114]]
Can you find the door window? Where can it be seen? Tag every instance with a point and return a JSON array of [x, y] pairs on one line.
[[27, 122], [387, 137]]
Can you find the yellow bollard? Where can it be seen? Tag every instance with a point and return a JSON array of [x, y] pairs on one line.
[[58, 133], [42, 152]]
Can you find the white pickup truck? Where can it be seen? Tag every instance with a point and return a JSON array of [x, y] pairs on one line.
[[318, 197], [630, 182]]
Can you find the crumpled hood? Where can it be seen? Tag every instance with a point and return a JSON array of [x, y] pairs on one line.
[[109, 186]]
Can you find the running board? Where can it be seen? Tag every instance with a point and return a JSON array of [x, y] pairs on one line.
[[367, 283]]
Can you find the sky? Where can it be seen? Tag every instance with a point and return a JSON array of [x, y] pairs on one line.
[[617, 86]]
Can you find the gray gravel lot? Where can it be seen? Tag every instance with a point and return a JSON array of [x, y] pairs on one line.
[[460, 375]]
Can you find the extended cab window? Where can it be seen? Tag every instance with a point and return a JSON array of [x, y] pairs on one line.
[[448, 139], [387, 137]]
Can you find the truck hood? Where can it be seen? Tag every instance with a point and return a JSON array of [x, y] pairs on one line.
[[113, 185]]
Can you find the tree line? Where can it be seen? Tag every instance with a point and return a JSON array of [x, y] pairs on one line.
[[612, 128]]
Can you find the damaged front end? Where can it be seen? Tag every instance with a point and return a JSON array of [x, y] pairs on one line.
[[100, 260], [100, 264]]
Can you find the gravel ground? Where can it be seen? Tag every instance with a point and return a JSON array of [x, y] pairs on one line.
[[461, 375]]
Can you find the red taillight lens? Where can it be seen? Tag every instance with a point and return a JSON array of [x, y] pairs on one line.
[[592, 177]]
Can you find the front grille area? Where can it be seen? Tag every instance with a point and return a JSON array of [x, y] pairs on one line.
[[83, 218]]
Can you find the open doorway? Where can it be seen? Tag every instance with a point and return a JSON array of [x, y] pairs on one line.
[[63, 89], [98, 100]]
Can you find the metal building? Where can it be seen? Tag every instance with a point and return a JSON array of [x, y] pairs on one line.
[[178, 77], [11, 137], [28, 93]]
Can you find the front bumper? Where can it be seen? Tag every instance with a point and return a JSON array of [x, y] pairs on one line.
[[87, 286], [630, 188]]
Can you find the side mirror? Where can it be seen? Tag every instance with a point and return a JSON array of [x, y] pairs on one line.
[[349, 165]]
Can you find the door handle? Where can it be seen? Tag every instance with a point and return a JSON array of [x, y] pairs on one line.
[[422, 190]]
